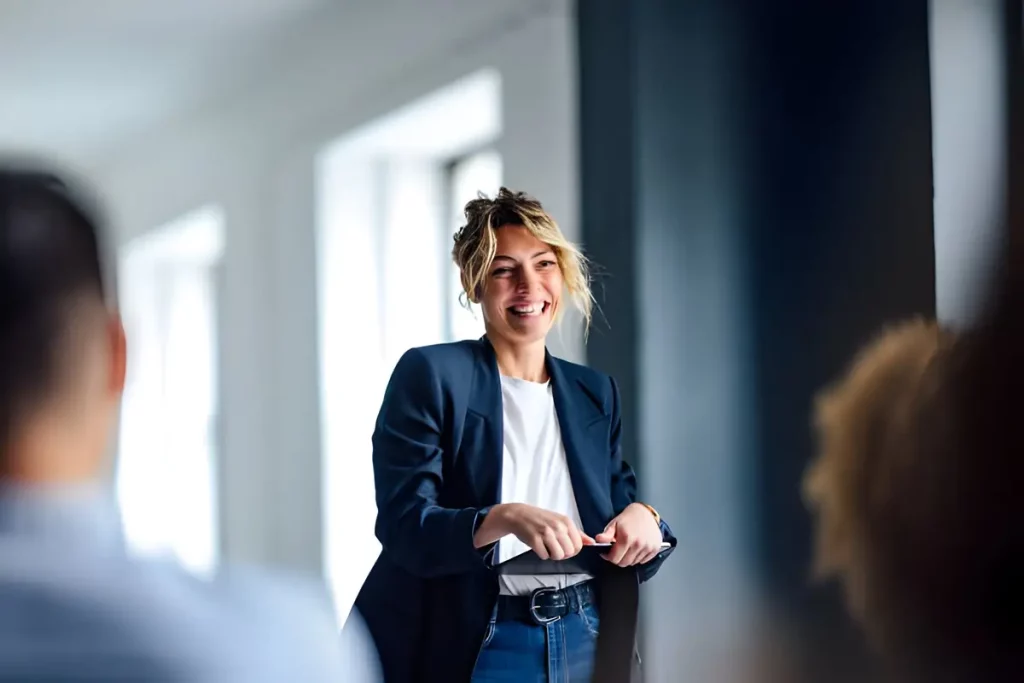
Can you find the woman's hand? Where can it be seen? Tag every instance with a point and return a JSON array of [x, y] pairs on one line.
[[636, 536], [551, 535]]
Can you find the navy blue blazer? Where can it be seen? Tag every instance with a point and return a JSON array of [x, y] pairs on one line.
[[437, 456]]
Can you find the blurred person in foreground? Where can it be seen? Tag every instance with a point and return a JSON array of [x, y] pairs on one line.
[[918, 490], [74, 606]]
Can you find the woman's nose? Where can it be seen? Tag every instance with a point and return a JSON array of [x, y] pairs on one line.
[[527, 280]]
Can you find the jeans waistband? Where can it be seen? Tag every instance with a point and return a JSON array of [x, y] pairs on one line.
[[546, 605]]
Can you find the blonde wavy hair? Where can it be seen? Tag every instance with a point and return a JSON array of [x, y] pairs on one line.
[[476, 245]]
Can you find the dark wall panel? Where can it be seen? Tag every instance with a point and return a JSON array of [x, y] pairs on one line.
[[757, 185]]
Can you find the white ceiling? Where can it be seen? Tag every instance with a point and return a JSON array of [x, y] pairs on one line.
[[77, 75]]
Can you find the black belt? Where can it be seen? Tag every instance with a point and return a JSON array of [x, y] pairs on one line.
[[615, 660], [546, 605]]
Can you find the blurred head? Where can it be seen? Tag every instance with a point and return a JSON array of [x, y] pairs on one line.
[[62, 350], [518, 266], [916, 491]]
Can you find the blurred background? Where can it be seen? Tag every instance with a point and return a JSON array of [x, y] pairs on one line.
[[762, 185]]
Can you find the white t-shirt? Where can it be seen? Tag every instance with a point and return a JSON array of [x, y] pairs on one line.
[[534, 471]]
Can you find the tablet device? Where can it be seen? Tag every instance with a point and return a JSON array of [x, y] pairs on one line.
[[664, 545], [589, 561]]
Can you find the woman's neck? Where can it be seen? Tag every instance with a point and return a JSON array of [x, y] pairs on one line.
[[521, 361]]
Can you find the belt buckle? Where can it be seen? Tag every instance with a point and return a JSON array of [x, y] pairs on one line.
[[542, 621]]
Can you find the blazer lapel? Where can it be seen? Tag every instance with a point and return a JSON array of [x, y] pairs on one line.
[[578, 418], [483, 437]]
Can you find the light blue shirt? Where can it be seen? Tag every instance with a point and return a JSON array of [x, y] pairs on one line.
[[74, 606]]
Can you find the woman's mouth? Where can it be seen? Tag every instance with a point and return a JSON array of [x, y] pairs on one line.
[[529, 310]]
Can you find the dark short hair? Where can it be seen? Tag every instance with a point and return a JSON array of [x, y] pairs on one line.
[[50, 258]]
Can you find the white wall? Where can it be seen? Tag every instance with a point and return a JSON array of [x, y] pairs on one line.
[[254, 155]]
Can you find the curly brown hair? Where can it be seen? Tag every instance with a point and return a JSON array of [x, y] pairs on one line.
[[914, 500]]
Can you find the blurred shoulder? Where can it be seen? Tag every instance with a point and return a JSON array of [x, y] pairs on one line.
[[151, 616], [289, 619], [291, 600]]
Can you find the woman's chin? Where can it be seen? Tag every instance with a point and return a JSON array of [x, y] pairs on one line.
[[523, 330], [534, 327]]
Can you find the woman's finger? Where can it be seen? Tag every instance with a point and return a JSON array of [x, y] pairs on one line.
[[576, 537], [568, 545], [633, 554], [553, 542], [540, 547], [618, 553]]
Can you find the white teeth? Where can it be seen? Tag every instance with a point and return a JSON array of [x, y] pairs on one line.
[[532, 309]]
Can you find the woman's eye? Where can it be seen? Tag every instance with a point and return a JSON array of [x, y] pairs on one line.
[[546, 264], [501, 271]]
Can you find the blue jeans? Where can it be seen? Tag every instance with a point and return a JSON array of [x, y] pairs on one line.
[[559, 652]]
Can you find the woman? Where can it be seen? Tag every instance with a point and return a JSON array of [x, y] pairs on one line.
[[486, 449]]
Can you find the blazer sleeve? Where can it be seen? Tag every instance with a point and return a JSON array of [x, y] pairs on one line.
[[623, 487], [419, 535]]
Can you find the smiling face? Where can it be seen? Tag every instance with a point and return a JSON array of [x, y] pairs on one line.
[[522, 287], [515, 263]]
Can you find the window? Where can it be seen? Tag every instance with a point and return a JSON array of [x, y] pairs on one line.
[[166, 450], [352, 371], [384, 218], [469, 176]]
